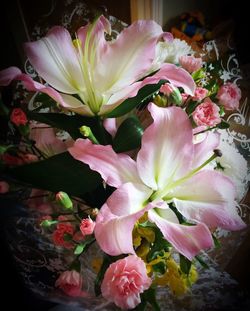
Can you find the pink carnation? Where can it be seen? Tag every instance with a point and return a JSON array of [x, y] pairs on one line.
[[124, 281], [190, 63], [207, 113], [200, 93], [70, 282], [87, 226], [229, 96], [4, 187]]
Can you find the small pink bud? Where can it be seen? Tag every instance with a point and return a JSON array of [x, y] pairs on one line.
[[87, 226]]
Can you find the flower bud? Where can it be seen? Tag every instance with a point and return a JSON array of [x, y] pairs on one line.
[[46, 223], [63, 199], [87, 226], [160, 101], [173, 94], [87, 132], [18, 117]]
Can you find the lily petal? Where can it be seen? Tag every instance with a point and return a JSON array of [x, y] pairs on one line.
[[188, 240], [8, 75], [67, 101], [166, 152], [128, 199], [117, 217], [55, 59], [208, 197], [205, 149], [115, 169], [129, 57], [175, 75]]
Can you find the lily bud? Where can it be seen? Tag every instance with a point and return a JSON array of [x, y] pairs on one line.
[[173, 94], [87, 132], [63, 199]]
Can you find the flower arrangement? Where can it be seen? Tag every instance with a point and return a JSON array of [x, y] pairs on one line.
[[122, 150]]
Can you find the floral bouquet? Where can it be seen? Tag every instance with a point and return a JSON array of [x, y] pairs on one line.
[[121, 148]]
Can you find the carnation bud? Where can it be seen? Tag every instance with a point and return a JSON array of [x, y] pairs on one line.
[[63, 199], [47, 223]]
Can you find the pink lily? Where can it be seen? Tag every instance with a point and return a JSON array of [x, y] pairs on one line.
[[169, 169], [101, 73]]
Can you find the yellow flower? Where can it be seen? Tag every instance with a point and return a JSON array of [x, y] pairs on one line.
[[146, 233], [177, 281], [143, 249]]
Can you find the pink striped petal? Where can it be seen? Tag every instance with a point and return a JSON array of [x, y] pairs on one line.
[[117, 217], [115, 169], [66, 101], [129, 57], [188, 240], [167, 147], [208, 197], [97, 42], [55, 59]]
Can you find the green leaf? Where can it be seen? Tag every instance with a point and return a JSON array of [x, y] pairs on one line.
[[217, 243], [202, 262], [191, 106], [141, 306], [150, 297], [185, 264], [223, 125], [70, 124], [84, 246], [79, 249], [160, 245], [160, 267], [58, 173], [128, 135], [4, 110], [199, 74], [45, 101], [3, 149], [143, 95]]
